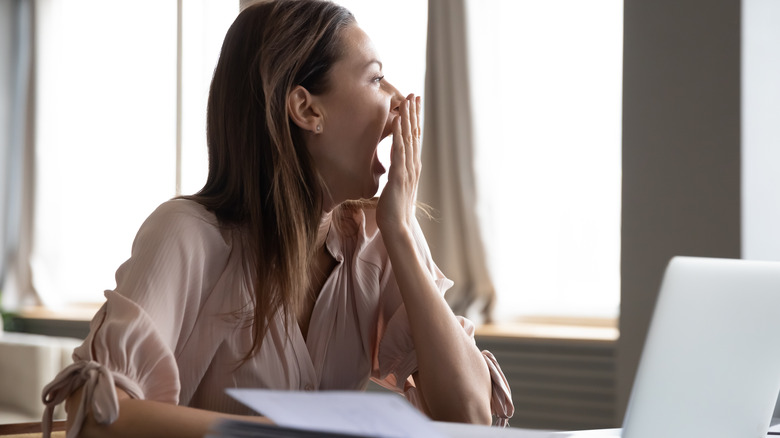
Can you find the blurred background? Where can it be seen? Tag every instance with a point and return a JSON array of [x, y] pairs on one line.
[[603, 137]]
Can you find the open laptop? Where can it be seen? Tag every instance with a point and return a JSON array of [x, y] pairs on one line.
[[711, 363]]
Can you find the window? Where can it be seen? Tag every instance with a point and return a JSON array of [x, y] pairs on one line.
[[106, 129], [546, 87], [546, 94]]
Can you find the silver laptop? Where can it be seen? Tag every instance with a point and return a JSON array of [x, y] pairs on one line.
[[711, 363]]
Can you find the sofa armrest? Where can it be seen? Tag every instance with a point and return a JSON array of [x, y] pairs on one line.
[[27, 364]]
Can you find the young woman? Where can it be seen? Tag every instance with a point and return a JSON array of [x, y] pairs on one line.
[[280, 273]]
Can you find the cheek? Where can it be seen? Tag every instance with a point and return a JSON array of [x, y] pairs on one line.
[[381, 114], [362, 121], [371, 119]]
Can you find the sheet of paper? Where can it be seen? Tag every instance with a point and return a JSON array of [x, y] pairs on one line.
[[361, 413]]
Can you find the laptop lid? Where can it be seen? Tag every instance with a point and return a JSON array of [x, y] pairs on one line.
[[710, 366]]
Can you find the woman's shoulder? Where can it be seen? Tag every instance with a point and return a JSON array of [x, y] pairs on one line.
[[180, 209], [186, 219]]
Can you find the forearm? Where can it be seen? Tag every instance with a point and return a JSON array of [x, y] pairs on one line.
[[453, 377], [145, 418], [152, 419]]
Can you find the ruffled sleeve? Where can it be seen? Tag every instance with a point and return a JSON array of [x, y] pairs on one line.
[[395, 360], [134, 337], [122, 350], [501, 398]]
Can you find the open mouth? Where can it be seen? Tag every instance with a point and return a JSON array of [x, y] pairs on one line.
[[378, 168], [381, 160]]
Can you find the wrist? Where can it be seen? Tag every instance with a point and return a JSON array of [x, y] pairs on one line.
[[395, 231]]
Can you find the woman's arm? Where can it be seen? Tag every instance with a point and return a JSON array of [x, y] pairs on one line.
[[452, 375], [146, 418]]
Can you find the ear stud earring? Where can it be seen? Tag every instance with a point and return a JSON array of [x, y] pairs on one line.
[[319, 128]]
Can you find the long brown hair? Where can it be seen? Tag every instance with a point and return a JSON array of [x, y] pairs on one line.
[[261, 177]]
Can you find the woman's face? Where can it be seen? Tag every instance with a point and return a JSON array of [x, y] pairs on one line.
[[357, 113]]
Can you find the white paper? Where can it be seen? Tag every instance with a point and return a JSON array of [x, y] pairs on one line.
[[351, 412]]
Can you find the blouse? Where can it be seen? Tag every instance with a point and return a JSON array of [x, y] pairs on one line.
[[176, 328]]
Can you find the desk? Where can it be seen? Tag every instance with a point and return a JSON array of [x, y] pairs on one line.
[[35, 435], [31, 430], [457, 430]]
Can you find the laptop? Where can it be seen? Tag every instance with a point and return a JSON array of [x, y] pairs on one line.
[[711, 362]]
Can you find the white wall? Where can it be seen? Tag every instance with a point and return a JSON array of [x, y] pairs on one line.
[[760, 129]]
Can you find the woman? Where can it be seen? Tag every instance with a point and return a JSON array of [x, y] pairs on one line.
[[278, 274]]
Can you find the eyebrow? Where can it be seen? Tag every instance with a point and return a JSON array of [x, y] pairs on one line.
[[375, 61]]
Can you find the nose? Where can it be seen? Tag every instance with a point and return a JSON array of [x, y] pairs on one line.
[[396, 98]]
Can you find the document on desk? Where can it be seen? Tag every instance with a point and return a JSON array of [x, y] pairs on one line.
[[349, 414], [342, 413]]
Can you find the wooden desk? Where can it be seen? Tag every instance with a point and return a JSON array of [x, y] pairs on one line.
[[31, 430]]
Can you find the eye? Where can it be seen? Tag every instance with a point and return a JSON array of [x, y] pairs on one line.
[[378, 78]]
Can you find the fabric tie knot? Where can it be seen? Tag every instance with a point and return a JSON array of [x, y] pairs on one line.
[[98, 395]]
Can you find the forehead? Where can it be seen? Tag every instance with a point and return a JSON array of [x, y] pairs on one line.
[[358, 48]]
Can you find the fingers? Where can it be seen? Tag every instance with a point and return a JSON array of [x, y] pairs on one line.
[[408, 120], [414, 122], [413, 115], [414, 151], [418, 152], [397, 152], [407, 143], [418, 109]]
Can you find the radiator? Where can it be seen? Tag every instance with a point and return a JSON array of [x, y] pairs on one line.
[[558, 384]]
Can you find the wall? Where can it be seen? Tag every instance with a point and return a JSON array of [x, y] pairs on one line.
[[760, 129], [681, 152]]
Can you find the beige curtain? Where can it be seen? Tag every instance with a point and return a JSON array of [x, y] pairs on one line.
[[17, 58], [447, 181]]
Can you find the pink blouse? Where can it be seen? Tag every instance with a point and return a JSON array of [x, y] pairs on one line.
[[176, 327]]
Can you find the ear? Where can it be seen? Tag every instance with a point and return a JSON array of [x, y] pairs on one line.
[[302, 109]]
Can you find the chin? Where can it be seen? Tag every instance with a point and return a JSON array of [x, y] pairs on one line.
[[370, 194], [374, 187]]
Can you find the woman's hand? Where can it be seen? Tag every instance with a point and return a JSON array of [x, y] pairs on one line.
[[395, 209]]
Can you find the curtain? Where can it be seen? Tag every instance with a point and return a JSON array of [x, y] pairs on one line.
[[16, 153], [447, 182]]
